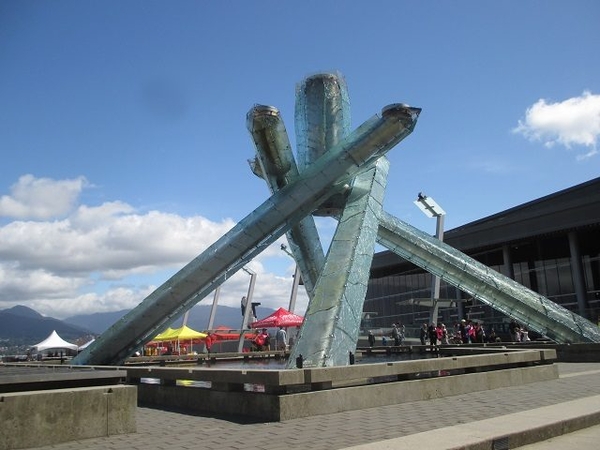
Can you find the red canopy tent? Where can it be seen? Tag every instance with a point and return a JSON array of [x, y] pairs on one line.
[[280, 318]]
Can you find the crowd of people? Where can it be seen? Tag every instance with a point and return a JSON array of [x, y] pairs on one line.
[[464, 332], [262, 340]]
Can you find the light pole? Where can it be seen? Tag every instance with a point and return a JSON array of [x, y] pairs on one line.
[[295, 283], [248, 306], [431, 209]]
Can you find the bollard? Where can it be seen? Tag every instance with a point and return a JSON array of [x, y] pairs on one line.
[[351, 358], [299, 362]]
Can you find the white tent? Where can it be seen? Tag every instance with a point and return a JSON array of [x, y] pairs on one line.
[[54, 342]]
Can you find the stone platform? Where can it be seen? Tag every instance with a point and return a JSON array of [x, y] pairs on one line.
[[48, 405], [277, 395], [474, 420]]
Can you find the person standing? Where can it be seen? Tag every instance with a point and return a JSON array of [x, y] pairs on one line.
[[423, 334], [432, 331], [258, 342], [470, 330], [371, 339], [479, 333], [266, 339], [281, 339], [208, 341], [395, 334], [439, 331], [243, 304], [514, 330], [462, 328], [445, 339]]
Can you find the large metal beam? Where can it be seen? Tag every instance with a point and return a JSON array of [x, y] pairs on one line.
[[485, 284], [332, 320], [274, 162], [327, 176]]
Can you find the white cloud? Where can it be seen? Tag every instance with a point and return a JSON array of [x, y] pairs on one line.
[[110, 257], [18, 285], [573, 122], [116, 240], [41, 198]]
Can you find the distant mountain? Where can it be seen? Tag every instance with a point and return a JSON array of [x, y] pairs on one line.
[[96, 322], [23, 311], [198, 318], [22, 325]]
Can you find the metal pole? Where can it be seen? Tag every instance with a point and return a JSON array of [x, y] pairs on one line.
[[578, 277], [213, 309], [294, 293], [435, 289], [185, 318], [248, 307], [431, 209]]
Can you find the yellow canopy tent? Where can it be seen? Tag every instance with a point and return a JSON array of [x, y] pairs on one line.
[[180, 335], [164, 335], [186, 333]]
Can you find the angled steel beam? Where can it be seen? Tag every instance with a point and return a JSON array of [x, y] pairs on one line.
[[327, 176], [274, 162], [332, 320], [485, 284]]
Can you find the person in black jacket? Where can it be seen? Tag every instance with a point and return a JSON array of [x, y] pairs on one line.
[[371, 339], [423, 334], [433, 336]]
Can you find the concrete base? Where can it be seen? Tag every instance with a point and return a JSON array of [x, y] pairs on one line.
[[277, 407], [510, 431], [36, 418]]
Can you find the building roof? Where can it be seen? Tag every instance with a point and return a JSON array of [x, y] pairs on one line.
[[574, 208]]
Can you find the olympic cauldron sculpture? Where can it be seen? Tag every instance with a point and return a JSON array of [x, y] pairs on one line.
[[340, 173]]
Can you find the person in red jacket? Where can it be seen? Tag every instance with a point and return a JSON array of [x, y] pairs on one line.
[[208, 341], [266, 339], [258, 341]]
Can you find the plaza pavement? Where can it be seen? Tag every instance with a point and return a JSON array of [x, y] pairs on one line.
[[479, 420]]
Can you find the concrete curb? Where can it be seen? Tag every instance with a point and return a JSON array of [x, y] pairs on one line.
[[504, 432]]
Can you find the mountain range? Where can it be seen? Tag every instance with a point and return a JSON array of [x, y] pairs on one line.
[[21, 325]]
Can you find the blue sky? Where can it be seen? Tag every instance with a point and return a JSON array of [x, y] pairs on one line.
[[124, 146]]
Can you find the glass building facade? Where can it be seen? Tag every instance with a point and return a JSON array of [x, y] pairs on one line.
[[550, 245]]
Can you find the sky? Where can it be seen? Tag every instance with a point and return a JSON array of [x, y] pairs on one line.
[[124, 148]]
